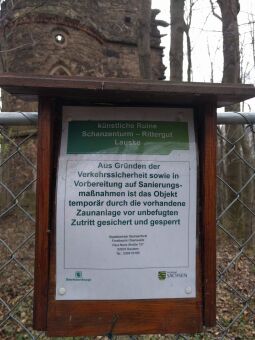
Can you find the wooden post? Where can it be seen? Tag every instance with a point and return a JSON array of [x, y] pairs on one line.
[[44, 166], [207, 139]]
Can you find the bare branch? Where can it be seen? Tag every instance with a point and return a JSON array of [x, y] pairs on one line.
[[211, 62], [31, 44], [213, 11]]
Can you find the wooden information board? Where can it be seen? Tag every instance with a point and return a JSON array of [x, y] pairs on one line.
[[125, 238], [138, 271], [126, 204]]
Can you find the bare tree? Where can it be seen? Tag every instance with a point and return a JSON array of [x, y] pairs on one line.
[[187, 26], [143, 39], [236, 174], [229, 11], [177, 30], [180, 24]]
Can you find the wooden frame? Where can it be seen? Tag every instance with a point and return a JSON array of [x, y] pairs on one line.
[[207, 123], [44, 171], [76, 318], [79, 318]]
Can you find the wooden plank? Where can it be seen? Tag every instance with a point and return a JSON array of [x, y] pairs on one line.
[[208, 139], [90, 318], [29, 80], [44, 157], [136, 91]]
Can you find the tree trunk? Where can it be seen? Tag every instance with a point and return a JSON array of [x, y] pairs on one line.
[[231, 74], [189, 70], [143, 39], [177, 30], [229, 11]]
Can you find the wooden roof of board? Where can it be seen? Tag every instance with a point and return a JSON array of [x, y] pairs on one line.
[[124, 91]]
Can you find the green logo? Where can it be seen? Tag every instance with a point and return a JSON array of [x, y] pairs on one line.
[[161, 276], [78, 275]]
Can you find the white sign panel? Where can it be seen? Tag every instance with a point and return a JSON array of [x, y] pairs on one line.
[[126, 204]]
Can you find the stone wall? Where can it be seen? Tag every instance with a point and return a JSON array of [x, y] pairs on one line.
[[71, 37]]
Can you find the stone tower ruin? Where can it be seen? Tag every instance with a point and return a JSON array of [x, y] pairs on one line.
[[95, 38]]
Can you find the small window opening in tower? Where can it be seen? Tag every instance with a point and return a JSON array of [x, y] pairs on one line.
[[60, 39]]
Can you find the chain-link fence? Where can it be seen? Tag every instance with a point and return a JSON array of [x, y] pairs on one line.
[[235, 234]]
